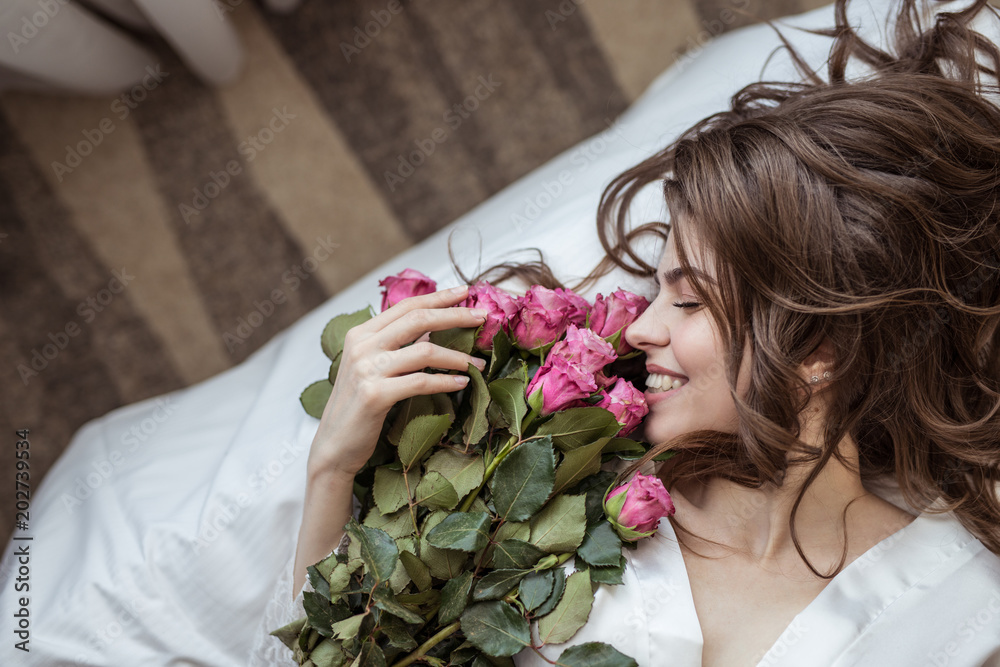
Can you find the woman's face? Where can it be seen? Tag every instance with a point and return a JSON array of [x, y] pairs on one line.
[[677, 334]]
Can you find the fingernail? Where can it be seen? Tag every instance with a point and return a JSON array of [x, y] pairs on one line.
[[460, 289], [461, 379], [479, 363], [478, 312]]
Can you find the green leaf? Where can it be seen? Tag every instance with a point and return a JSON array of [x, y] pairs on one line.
[[309, 639], [601, 545], [611, 576], [476, 424], [577, 427], [571, 612], [398, 634], [516, 367], [371, 655], [495, 628], [327, 566], [319, 611], [378, 549], [417, 570], [386, 601], [419, 435], [624, 448], [456, 338], [515, 554], [332, 338], [508, 394], [466, 531], [407, 410], [454, 597], [327, 654], [595, 654], [390, 488], [349, 627], [579, 463], [497, 583], [396, 525], [558, 587], [595, 487], [443, 563], [435, 492], [561, 524], [318, 581], [289, 634], [523, 480], [400, 578], [535, 589], [463, 471], [499, 355], [512, 530], [315, 396]]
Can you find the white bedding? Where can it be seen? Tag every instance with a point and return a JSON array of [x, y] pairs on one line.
[[160, 533]]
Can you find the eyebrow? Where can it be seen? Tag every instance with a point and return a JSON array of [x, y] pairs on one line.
[[674, 275]]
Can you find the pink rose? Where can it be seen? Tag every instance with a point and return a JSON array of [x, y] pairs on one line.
[[613, 314], [561, 383], [635, 508], [585, 349], [406, 283], [626, 403], [499, 306], [543, 315]]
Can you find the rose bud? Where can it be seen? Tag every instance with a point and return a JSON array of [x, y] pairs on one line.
[[499, 307], [635, 508], [611, 316], [540, 318], [406, 283], [626, 403], [584, 348], [558, 384]]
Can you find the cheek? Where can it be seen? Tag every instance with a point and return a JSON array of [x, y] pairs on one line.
[[698, 351]]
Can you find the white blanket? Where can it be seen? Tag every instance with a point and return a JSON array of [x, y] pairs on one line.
[[158, 536]]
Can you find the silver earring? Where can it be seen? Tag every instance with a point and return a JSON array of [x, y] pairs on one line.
[[814, 379], [827, 375]]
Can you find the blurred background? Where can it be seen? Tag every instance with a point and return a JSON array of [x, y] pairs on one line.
[[156, 233]]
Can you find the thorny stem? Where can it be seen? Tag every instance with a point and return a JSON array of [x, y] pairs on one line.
[[429, 644]]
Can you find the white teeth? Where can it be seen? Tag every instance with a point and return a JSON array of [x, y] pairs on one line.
[[660, 382]]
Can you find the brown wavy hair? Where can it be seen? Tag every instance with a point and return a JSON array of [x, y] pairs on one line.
[[863, 212]]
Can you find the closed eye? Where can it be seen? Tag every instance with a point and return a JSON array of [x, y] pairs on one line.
[[687, 304]]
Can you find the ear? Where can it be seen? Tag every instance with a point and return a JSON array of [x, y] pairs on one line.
[[819, 360]]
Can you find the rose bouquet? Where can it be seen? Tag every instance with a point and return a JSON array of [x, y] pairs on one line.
[[474, 500]]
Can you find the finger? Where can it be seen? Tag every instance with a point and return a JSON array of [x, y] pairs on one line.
[[415, 323], [419, 356], [399, 388], [441, 299]]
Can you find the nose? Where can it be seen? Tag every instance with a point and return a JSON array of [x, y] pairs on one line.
[[649, 329]]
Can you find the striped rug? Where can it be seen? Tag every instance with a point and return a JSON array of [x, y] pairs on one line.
[[138, 232]]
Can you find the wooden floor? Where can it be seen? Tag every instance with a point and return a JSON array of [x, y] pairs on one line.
[[126, 272]]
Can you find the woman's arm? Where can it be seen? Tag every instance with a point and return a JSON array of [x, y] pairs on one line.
[[328, 508]]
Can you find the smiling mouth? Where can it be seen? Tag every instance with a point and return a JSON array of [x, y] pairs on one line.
[[657, 383]]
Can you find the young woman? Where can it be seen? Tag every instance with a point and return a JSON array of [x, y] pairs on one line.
[[823, 354]]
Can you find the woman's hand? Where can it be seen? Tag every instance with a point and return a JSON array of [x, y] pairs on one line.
[[376, 371]]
